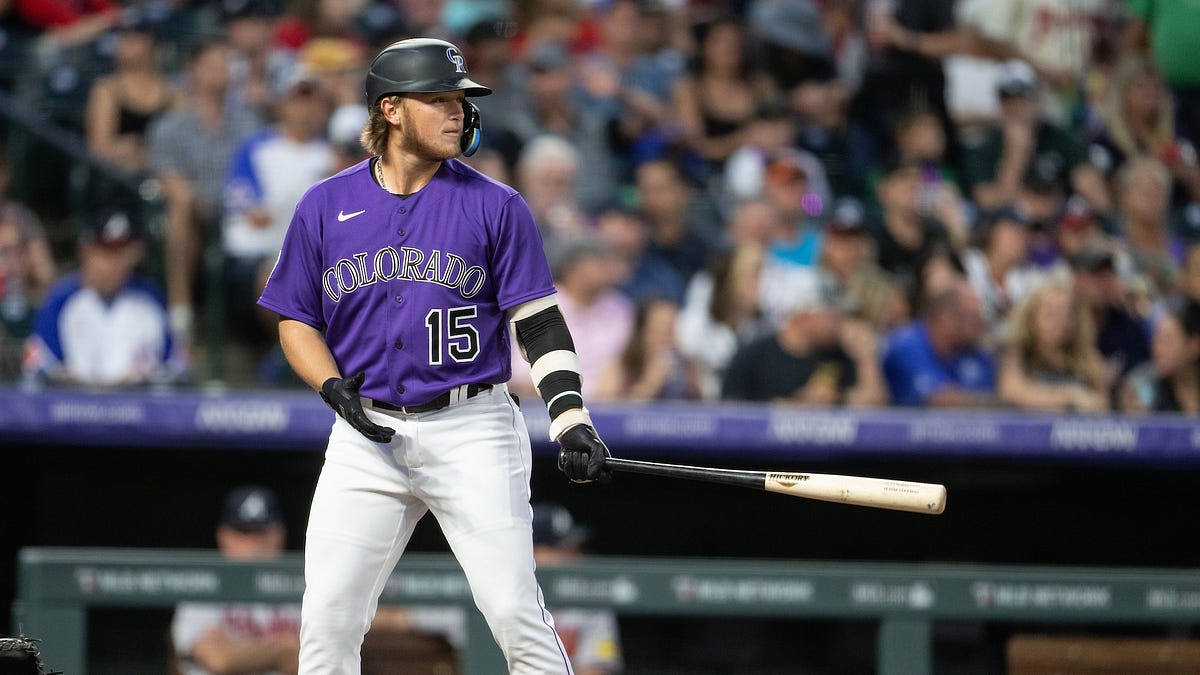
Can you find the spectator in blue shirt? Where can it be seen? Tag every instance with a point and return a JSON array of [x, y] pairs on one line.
[[939, 360], [104, 325]]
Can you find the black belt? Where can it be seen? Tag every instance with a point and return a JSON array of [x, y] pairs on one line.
[[436, 404]]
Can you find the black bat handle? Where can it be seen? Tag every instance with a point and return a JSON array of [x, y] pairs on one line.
[[746, 479]]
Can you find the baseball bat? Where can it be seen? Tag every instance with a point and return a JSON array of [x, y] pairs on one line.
[[879, 493]]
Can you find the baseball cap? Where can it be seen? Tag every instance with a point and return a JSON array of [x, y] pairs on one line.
[[847, 217], [1076, 214], [251, 508], [330, 55], [1094, 258], [346, 126], [553, 525], [1008, 213], [493, 28], [792, 24], [298, 80], [787, 167], [148, 18], [1017, 78], [111, 228], [808, 292], [546, 57]]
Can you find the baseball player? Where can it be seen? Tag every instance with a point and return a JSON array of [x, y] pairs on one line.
[[397, 287]]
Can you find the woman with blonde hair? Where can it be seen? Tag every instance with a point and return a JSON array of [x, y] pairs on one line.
[[1050, 361], [1139, 121]]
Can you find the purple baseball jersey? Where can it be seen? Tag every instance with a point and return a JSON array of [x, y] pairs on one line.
[[411, 291]]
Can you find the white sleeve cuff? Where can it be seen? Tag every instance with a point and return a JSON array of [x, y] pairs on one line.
[[570, 418]]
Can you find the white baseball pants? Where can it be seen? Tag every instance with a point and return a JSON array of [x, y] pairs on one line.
[[469, 464]]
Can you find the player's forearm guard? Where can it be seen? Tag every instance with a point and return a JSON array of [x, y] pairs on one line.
[[554, 367]]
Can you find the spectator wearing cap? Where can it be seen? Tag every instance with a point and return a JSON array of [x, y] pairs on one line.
[[488, 47], [1025, 147], [873, 301], [345, 136], [791, 40], [122, 105], [1077, 227], [998, 266], [794, 186], [939, 360], [256, 64], [269, 173], [587, 272], [1049, 360], [590, 636], [336, 64], [251, 638], [190, 152], [810, 359], [1120, 335], [761, 139], [103, 325]]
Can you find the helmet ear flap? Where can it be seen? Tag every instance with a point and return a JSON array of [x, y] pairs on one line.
[[472, 133]]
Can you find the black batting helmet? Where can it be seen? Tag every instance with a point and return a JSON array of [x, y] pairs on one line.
[[419, 65]]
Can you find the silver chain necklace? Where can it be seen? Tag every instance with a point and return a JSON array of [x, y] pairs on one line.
[[379, 174]]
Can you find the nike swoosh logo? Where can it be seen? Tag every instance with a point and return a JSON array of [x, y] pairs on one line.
[[343, 216]]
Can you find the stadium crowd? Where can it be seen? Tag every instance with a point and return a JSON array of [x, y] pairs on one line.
[[825, 202]]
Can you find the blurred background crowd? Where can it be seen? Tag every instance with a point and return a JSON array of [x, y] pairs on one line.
[[826, 202]]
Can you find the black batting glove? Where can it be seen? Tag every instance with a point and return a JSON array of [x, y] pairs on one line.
[[582, 455], [342, 395]]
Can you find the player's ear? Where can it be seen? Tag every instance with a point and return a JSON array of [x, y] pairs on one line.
[[390, 107]]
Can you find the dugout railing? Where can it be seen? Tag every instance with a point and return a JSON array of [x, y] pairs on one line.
[[57, 587]]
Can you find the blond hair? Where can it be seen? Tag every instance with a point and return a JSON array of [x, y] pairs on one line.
[[375, 133], [1116, 117], [1080, 353]]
